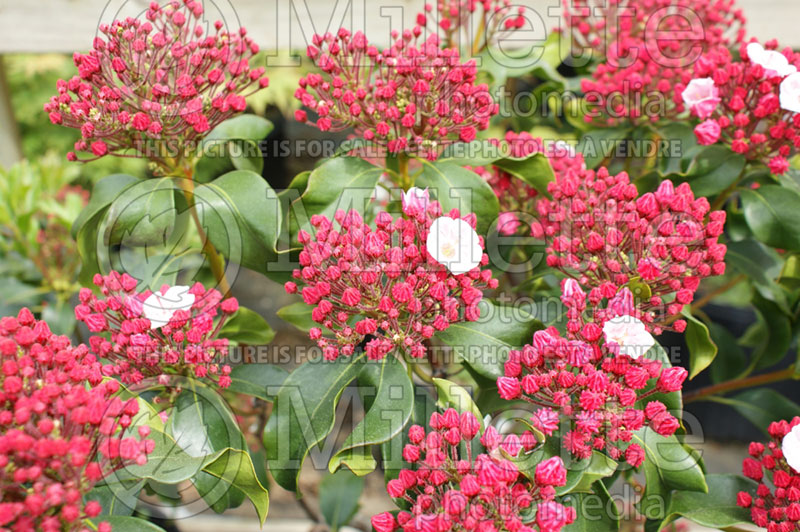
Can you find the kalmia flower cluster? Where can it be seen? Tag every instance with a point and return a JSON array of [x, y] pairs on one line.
[[751, 105], [645, 52], [447, 490], [156, 334], [401, 282], [598, 391], [413, 97], [61, 428], [598, 229], [775, 505], [515, 195], [456, 20], [146, 82]]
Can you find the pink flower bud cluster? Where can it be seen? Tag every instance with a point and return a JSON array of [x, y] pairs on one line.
[[382, 283], [456, 21], [61, 428], [187, 345], [412, 97], [752, 117], [601, 231], [158, 79], [447, 490], [602, 395], [646, 57], [515, 195], [775, 505]]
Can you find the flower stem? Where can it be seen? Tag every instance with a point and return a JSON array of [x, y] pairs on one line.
[[215, 259], [402, 170], [738, 384]]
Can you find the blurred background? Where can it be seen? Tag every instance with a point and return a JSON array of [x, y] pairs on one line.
[[41, 193]]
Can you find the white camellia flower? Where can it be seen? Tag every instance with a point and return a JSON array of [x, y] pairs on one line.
[[159, 308], [790, 93], [774, 63], [630, 334], [791, 448], [454, 244]]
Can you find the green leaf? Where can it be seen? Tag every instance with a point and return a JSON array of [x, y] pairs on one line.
[[452, 395], [220, 496], [534, 169], [732, 360], [304, 413], [341, 183], [713, 170], [235, 471], [701, 348], [595, 511], [246, 127], [204, 427], [338, 497], [774, 333], [715, 509], [144, 214], [600, 466], [389, 398], [458, 188], [167, 464], [761, 265], [299, 315], [668, 466], [762, 406], [257, 380], [772, 214], [103, 194], [116, 498], [120, 523], [484, 344], [242, 217], [600, 144], [247, 327]]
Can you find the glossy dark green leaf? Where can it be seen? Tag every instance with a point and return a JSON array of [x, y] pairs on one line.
[[774, 333], [731, 359], [299, 315], [595, 511], [120, 523], [219, 496], [484, 344], [247, 327], [338, 498], [389, 398], [245, 127], [761, 264], [762, 406], [203, 426], [116, 498], [304, 413], [771, 212], [257, 380], [241, 216], [535, 170], [600, 144], [103, 193], [340, 183], [455, 187], [701, 348], [713, 170], [716, 509], [144, 214]]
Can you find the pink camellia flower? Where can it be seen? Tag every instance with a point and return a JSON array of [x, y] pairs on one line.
[[64, 428], [484, 492], [156, 74], [702, 97], [708, 132]]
